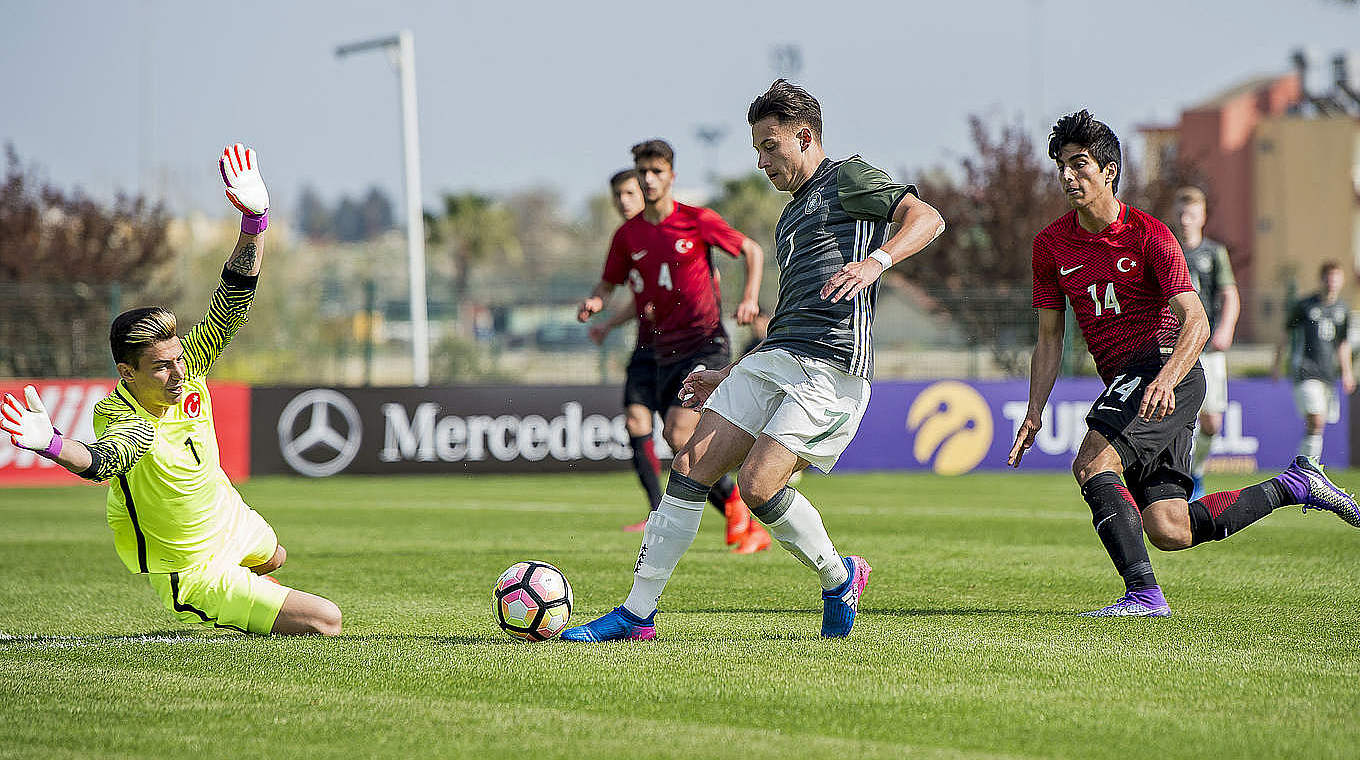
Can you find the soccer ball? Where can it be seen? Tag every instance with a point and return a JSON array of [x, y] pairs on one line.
[[532, 601]]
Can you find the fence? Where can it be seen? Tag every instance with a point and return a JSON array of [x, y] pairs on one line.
[[526, 332]]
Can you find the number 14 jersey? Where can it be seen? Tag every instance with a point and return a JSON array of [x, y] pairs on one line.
[[1118, 281]]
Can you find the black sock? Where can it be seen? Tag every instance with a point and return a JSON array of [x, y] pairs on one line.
[[1120, 527], [721, 492], [647, 467], [1219, 515]]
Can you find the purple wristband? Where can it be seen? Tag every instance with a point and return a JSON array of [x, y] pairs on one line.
[[53, 446], [254, 224]]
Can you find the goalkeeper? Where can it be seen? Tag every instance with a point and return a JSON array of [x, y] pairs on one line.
[[175, 516]]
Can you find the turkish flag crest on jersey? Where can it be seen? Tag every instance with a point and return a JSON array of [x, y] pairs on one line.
[[193, 405]]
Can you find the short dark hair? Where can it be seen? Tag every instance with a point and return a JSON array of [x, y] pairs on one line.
[[1191, 194], [787, 103], [655, 148], [1328, 266], [1081, 128], [135, 329], [621, 177]]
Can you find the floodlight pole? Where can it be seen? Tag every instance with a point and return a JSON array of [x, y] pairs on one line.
[[403, 47]]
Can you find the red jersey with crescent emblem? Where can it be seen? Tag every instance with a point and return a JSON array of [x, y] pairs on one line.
[[667, 265], [1119, 282]]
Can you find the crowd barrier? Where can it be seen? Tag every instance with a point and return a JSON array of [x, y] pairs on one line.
[[947, 426]]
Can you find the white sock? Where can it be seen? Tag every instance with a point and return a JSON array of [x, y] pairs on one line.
[[800, 530], [1311, 446], [1203, 443], [669, 532]]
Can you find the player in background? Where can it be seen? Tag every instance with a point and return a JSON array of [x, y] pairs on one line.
[[1128, 284], [799, 397], [1319, 350], [663, 256], [174, 514], [760, 329], [639, 386], [1212, 277]]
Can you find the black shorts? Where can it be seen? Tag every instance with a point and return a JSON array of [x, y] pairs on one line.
[[670, 377], [639, 387], [1156, 455]]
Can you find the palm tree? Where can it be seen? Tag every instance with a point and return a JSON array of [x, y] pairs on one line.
[[474, 230]]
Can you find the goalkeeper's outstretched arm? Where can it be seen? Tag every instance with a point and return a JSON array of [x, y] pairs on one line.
[[30, 427], [245, 189]]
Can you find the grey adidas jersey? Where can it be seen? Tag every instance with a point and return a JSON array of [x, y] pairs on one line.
[[840, 214], [1316, 329], [1211, 273]]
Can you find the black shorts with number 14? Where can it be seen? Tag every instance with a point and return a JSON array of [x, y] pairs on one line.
[[1151, 450]]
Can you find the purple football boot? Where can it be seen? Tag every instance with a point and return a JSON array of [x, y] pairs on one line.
[[1311, 487], [1147, 602]]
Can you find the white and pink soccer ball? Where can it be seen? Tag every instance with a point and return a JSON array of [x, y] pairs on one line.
[[532, 601]]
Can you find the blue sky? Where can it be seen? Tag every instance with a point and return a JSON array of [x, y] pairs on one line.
[[142, 95]]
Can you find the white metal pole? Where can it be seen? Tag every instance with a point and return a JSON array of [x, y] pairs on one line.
[[415, 220]]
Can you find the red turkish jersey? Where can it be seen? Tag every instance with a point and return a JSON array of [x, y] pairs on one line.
[[1119, 281], [667, 265]]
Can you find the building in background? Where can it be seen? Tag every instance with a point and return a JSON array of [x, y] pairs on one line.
[[1281, 166]]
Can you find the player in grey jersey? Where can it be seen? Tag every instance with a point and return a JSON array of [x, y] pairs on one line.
[[1212, 275], [798, 398], [1319, 351]]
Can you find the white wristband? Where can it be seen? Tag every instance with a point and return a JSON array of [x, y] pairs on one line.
[[882, 257]]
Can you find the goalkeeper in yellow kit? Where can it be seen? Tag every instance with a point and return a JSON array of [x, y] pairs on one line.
[[175, 516]]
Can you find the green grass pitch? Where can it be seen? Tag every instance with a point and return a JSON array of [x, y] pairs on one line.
[[966, 645]]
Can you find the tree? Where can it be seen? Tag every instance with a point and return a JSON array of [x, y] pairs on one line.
[[314, 219], [473, 230], [751, 204], [375, 213], [979, 270], [352, 221], [67, 265]]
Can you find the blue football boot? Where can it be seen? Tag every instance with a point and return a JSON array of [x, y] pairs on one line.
[[840, 604], [616, 625]]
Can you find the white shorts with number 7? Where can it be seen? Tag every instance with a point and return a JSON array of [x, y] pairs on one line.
[[810, 407]]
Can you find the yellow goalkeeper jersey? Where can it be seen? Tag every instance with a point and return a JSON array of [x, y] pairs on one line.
[[170, 505]]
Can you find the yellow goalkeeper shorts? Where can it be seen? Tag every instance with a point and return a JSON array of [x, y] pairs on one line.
[[222, 592]]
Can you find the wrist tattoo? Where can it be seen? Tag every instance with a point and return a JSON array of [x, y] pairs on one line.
[[244, 261]]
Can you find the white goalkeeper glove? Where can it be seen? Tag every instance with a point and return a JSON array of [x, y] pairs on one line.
[[29, 426], [245, 188]]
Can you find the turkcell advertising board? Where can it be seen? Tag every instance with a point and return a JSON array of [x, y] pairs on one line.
[[502, 428], [956, 426]]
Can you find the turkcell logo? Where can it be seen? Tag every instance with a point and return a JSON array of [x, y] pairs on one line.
[[952, 427], [1064, 428]]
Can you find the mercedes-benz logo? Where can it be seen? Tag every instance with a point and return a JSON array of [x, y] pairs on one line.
[[318, 433]]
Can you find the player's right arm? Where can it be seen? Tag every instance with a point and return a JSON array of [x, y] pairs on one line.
[[231, 301], [594, 303], [123, 437], [1230, 302], [621, 316], [1044, 364], [1282, 346], [616, 265], [1043, 373]]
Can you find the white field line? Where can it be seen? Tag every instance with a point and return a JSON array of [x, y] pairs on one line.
[[71, 642]]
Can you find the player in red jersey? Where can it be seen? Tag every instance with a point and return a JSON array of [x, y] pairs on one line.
[[1126, 278], [663, 256], [639, 385]]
